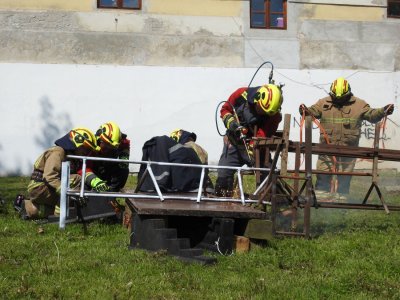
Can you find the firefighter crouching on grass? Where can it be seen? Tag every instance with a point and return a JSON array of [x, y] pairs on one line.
[[104, 176], [45, 185], [341, 115], [256, 107]]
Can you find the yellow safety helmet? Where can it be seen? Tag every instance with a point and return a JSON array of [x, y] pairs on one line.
[[269, 98], [83, 137], [176, 135], [109, 133], [340, 88]]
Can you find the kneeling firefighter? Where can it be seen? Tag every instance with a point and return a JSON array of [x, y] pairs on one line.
[[178, 148], [105, 176], [45, 184]]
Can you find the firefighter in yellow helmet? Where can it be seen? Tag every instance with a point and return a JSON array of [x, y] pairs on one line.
[[188, 140], [45, 184], [341, 116], [248, 112], [105, 176]]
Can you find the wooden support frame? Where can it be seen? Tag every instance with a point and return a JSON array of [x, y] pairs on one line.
[[302, 196]]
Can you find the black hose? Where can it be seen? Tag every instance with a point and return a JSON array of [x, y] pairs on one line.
[[216, 118], [216, 115], [271, 74], [270, 80]]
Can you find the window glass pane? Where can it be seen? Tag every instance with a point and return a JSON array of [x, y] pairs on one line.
[[276, 21], [109, 3], [394, 9], [258, 20], [130, 4], [258, 4], [276, 5]]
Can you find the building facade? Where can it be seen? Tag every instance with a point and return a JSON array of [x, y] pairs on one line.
[[317, 34]]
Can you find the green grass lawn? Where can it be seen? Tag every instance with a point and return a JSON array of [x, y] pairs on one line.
[[356, 255]]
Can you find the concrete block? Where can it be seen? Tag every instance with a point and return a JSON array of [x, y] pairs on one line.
[[259, 229]]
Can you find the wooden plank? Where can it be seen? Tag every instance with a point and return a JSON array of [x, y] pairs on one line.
[[192, 208], [285, 150], [242, 244], [337, 150]]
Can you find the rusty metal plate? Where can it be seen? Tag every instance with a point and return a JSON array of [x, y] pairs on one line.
[[191, 208]]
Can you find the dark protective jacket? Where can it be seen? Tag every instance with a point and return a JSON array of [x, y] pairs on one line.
[[188, 139], [169, 178], [342, 123], [243, 102], [115, 174]]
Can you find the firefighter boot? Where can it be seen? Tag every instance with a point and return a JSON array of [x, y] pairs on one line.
[[341, 198], [323, 196], [18, 202], [29, 210], [34, 211]]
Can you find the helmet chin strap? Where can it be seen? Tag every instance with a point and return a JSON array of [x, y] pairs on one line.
[[342, 100]]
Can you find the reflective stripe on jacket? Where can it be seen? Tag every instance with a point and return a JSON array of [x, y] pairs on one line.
[[342, 123], [50, 164]]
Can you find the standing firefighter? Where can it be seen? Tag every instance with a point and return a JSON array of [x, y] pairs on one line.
[[45, 185], [249, 112], [341, 115]]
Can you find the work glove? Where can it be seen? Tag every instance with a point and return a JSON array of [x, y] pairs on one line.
[[81, 201], [99, 185], [124, 165], [231, 123], [303, 108], [388, 109]]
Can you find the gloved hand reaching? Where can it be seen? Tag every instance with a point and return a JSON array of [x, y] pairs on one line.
[[231, 123], [124, 165], [303, 109], [388, 109], [99, 185]]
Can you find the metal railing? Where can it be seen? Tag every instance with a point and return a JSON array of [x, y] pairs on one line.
[[66, 191]]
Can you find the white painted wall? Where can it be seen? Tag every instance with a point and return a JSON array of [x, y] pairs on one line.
[[39, 103]]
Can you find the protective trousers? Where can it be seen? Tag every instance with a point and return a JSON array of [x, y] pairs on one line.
[[45, 198], [327, 164], [232, 156]]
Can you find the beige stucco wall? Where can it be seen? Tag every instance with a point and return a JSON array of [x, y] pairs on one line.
[[172, 7], [69, 5], [320, 34], [195, 7], [343, 13]]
